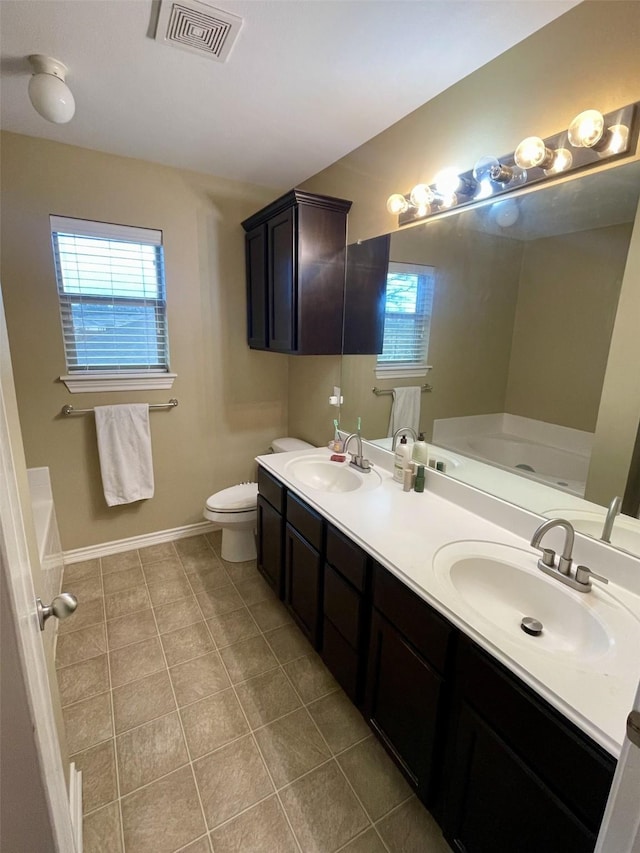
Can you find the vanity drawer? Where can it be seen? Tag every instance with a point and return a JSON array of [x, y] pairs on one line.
[[305, 520], [271, 489], [341, 659], [342, 605], [425, 629], [345, 556]]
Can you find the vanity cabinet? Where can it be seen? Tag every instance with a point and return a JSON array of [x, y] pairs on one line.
[[270, 530], [346, 612], [304, 545], [295, 265], [410, 655], [519, 776]]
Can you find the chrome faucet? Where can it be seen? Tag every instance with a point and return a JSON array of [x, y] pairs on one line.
[[614, 509], [581, 580], [357, 459], [402, 430]]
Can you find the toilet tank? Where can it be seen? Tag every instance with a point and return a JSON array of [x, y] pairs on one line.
[[283, 445]]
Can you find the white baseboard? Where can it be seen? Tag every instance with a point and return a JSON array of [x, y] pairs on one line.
[[75, 804], [118, 545]]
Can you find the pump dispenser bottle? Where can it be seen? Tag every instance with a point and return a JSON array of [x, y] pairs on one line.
[[401, 459], [420, 450]]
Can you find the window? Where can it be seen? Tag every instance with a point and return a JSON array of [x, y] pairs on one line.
[[111, 291], [407, 320]]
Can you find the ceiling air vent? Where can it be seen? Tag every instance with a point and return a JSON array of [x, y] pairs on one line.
[[198, 27]]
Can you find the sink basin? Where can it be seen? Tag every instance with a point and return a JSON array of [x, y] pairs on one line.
[[318, 472], [494, 586], [625, 533]]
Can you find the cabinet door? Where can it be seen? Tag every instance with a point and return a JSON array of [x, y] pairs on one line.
[[495, 804], [281, 281], [270, 534], [364, 298], [403, 695], [256, 261], [303, 585]]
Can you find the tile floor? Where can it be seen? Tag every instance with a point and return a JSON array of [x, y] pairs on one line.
[[203, 721]]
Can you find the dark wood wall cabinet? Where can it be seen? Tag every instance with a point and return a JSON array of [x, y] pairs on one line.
[[499, 768], [295, 260]]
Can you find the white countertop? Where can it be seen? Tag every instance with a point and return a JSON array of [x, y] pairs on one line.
[[404, 530]]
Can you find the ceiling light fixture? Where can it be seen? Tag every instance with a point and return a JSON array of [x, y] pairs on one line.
[[48, 91], [590, 138]]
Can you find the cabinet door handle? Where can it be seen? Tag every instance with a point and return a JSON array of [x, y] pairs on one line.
[[633, 727]]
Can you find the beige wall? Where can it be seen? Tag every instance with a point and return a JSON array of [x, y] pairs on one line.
[[490, 111], [233, 401]]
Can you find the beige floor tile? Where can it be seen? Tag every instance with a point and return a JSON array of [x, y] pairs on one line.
[[240, 572], [232, 627], [369, 842], [267, 697], [85, 589], [155, 553], [84, 679], [215, 540], [101, 831], [261, 829], [119, 562], [81, 645], [171, 803], [339, 721], [127, 601], [169, 591], [248, 658], [411, 829], [200, 846], [98, 766], [255, 590], [322, 810], [310, 677], [201, 563], [135, 661], [140, 701], [213, 722], [131, 629], [210, 579], [191, 546], [230, 780], [187, 643], [117, 581], [150, 751], [374, 777], [80, 571], [88, 614], [270, 614], [291, 746], [288, 643], [88, 723], [217, 602], [177, 614], [163, 570], [195, 679]]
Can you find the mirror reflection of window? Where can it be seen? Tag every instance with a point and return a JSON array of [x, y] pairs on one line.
[[407, 318]]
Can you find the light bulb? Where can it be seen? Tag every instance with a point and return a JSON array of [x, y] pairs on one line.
[[48, 92], [397, 204], [617, 139], [483, 167], [447, 181], [562, 160], [586, 129], [533, 152], [421, 195]]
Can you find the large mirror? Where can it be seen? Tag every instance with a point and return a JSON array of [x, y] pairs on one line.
[[525, 301]]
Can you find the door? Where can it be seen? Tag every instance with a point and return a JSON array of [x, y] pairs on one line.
[[620, 828], [35, 806]]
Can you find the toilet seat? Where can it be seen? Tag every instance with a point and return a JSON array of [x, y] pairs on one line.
[[235, 499]]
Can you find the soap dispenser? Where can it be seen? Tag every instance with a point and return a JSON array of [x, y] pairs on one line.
[[401, 459], [421, 450]]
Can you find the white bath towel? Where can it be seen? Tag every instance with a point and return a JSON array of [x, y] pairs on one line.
[[405, 410], [124, 447]]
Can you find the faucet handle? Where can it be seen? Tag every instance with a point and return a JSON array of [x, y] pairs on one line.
[[548, 557], [584, 575]]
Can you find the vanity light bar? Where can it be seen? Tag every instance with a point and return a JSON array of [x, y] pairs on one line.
[[590, 139]]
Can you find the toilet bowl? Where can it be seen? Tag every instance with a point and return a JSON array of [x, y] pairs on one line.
[[235, 510]]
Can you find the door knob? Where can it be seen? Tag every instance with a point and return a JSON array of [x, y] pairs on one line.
[[62, 606]]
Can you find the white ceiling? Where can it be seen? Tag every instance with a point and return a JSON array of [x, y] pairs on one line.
[[307, 81]]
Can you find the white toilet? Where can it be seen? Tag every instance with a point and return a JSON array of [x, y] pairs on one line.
[[234, 510]]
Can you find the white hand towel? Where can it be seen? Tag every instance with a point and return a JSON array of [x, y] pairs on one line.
[[405, 410], [124, 447]]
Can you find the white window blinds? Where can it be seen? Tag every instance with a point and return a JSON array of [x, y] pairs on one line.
[[111, 291], [407, 319]]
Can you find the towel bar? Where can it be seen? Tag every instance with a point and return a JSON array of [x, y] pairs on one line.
[[380, 391], [69, 410]]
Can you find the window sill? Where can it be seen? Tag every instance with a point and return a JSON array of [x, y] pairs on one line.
[[401, 372], [83, 383]]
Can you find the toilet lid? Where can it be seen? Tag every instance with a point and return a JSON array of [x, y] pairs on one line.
[[234, 499]]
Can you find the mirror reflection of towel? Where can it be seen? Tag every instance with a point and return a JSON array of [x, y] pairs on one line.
[[405, 410], [124, 447]]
